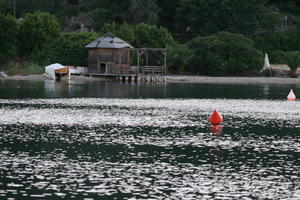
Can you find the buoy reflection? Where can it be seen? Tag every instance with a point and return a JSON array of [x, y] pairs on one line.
[[216, 129]]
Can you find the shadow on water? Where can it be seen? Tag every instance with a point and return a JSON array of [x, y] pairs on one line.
[[113, 89]]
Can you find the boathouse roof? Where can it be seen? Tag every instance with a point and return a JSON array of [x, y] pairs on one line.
[[109, 41]]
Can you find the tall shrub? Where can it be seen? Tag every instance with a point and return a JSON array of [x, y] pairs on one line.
[[124, 31], [292, 59], [37, 31], [8, 37], [151, 36], [140, 35], [69, 49], [178, 55]]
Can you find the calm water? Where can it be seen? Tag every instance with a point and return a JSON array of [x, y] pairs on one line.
[[147, 141]]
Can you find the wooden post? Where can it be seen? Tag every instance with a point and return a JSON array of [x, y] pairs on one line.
[[98, 61], [147, 58], [114, 58], [138, 59], [165, 61]]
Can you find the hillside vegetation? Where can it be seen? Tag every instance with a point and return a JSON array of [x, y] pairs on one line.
[[206, 37]]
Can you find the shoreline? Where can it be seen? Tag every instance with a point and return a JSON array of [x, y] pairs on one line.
[[180, 79], [232, 80]]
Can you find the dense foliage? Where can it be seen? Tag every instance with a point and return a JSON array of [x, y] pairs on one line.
[[69, 49], [292, 59], [209, 37], [224, 53], [36, 32], [206, 17], [140, 35], [8, 38]]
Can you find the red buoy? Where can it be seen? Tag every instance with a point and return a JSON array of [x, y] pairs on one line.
[[291, 96], [216, 117]]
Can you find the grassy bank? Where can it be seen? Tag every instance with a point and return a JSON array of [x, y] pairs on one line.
[[24, 68]]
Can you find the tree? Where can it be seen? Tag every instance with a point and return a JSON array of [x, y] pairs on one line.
[[107, 11], [278, 42], [5, 7], [287, 6], [7, 38], [37, 31], [292, 59], [143, 11], [224, 53], [140, 35], [30, 6], [123, 31], [68, 49], [167, 13], [271, 20], [178, 55], [202, 17], [151, 36], [98, 18]]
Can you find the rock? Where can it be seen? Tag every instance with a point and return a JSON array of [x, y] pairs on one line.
[[3, 75]]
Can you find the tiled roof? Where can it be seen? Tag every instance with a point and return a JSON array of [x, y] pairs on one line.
[[109, 41]]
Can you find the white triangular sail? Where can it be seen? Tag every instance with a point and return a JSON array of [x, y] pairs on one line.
[[291, 96], [267, 62]]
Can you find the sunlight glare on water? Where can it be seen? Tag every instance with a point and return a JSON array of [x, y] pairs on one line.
[[148, 148]]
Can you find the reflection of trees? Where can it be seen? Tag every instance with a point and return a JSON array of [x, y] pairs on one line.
[[104, 89], [112, 89]]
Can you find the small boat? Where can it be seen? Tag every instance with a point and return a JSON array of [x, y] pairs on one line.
[[59, 73], [56, 71], [62, 71]]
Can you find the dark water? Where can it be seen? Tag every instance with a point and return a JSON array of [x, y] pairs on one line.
[[111, 89], [54, 145]]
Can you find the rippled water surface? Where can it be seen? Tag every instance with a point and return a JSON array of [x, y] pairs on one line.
[[159, 147]]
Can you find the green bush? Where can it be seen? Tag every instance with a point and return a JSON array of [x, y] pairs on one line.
[[178, 55], [275, 56], [8, 38], [98, 18], [151, 36], [23, 68], [37, 31], [283, 41], [140, 35], [224, 54], [123, 31], [70, 10], [67, 49], [271, 20], [292, 59]]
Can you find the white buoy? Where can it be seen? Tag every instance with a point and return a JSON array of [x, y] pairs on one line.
[[291, 96]]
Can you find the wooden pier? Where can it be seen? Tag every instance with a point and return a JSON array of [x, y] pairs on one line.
[[154, 76]]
